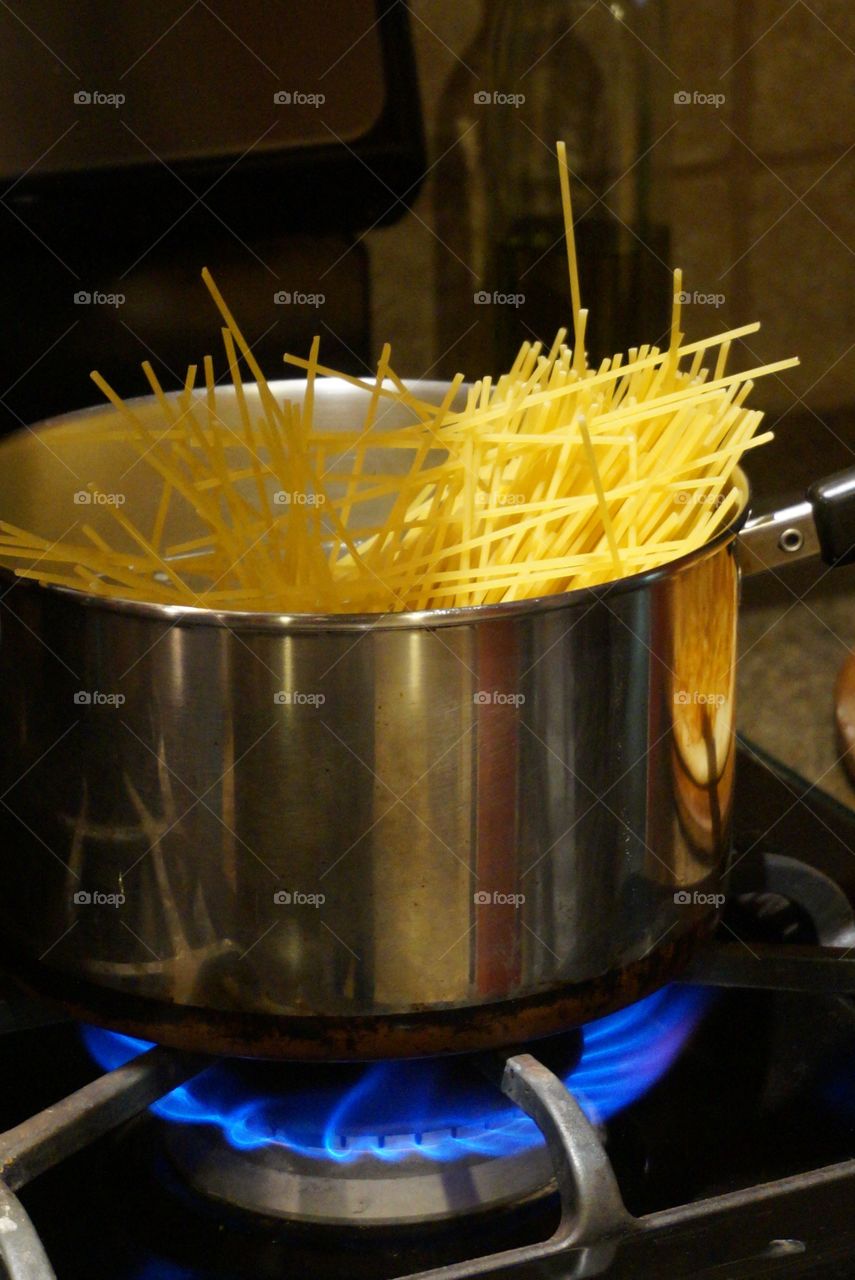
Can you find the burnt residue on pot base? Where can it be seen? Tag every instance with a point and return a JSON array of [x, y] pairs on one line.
[[498, 1024]]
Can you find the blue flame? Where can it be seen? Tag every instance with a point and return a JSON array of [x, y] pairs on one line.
[[393, 1109]]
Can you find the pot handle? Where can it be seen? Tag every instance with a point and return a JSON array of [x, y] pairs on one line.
[[823, 525]]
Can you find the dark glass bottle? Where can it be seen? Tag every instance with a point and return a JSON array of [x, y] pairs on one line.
[[463, 195], [581, 72]]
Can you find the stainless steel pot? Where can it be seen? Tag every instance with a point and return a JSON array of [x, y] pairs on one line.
[[361, 836]]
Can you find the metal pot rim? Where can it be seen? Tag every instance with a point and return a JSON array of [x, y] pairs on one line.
[[406, 620]]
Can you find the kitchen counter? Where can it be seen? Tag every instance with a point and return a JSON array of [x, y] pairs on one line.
[[790, 653], [791, 649]]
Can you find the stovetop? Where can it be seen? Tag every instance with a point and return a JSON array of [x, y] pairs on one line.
[[739, 1162]]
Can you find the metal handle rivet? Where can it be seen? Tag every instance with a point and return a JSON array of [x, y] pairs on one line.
[[791, 540]]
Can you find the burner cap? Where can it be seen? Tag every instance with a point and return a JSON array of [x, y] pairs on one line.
[[360, 1192]]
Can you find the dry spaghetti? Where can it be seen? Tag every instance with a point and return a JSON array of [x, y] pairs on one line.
[[557, 475]]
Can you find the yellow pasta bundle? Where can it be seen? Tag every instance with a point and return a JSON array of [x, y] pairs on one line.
[[555, 476]]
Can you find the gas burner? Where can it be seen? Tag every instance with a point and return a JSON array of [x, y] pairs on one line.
[[398, 1143], [392, 1144]]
